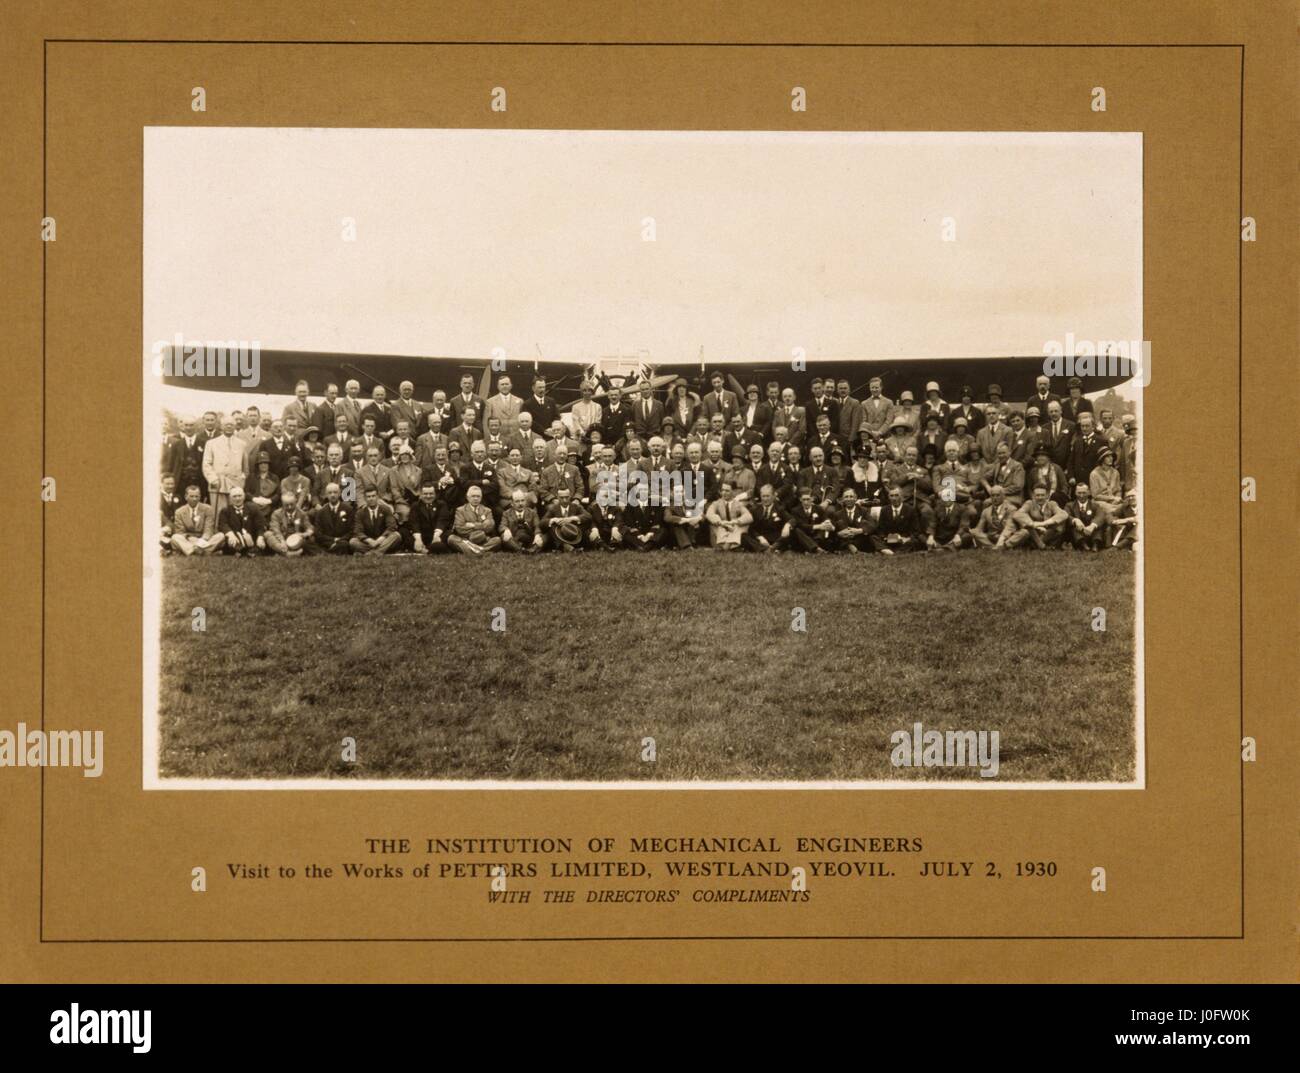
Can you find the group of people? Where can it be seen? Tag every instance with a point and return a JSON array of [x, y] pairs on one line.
[[762, 473]]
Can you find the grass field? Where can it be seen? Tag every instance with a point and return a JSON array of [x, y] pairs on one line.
[[600, 651]]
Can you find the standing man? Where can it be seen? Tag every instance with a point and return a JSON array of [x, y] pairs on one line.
[[504, 407], [541, 405], [225, 465], [720, 400], [350, 406], [877, 411], [406, 408], [467, 399], [300, 407]]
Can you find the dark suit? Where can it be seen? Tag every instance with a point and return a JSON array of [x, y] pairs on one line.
[[639, 522], [613, 426], [815, 408], [646, 424], [975, 419], [857, 518], [727, 405], [902, 525], [545, 412], [1084, 454], [245, 520], [383, 418], [334, 527], [185, 463], [760, 421], [824, 484], [1059, 443], [426, 520], [1088, 515], [485, 476], [768, 523], [459, 404]]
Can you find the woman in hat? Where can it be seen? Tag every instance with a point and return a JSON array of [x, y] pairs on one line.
[[900, 438], [683, 409], [1105, 484], [296, 483], [262, 486]]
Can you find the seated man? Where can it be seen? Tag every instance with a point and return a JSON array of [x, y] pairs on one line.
[[1040, 523], [334, 521], [1124, 523], [169, 503], [995, 526], [640, 524], [606, 530], [431, 520], [683, 522], [474, 532], [520, 529], [948, 527], [767, 530], [949, 478], [194, 529], [1009, 473], [372, 474], [801, 532], [290, 531], [899, 527], [853, 524], [241, 526], [1087, 525], [405, 528], [728, 519], [374, 532], [566, 521]]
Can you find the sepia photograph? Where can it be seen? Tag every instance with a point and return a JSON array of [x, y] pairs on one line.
[[785, 459]]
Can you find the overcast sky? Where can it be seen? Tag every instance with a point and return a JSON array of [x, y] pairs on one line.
[[468, 240]]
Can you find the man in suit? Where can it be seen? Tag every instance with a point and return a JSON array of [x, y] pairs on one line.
[[521, 530], [1086, 527], [877, 411], [225, 466], [808, 527], [467, 399], [719, 400], [334, 522], [300, 407], [823, 437], [791, 417], [853, 524], [478, 472], [343, 435], [995, 526], [783, 477], [430, 440], [277, 447], [194, 526], [819, 479], [325, 416], [684, 523], [169, 504], [543, 408], [431, 521], [372, 474], [350, 406], [728, 520], [821, 404], [185, 457], [559, 475], [768, 523], [290, 532], [1040, 523], [851, 414], [566, 521], [381, 411], [606, 526], [406, 408], [335, 471], [618, 415], [699, 479], [1008, 473], [948, 526], [504, 407], [1058, 436], [240, 526], [966, 408], [1024, 440], [647, 413], [898, 527], [401, 438], [740, 436], [994, 432], [1127, 461], [1085, 450], [1042, 397], [467, 431], [374, 530], [442, 409]]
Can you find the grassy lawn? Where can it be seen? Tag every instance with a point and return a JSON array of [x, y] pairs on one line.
[[601, 650]]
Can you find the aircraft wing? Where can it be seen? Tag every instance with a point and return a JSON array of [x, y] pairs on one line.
[[280, 371], [1014, 375]]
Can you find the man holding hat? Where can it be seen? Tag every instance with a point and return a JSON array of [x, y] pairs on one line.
[[566, 521]]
